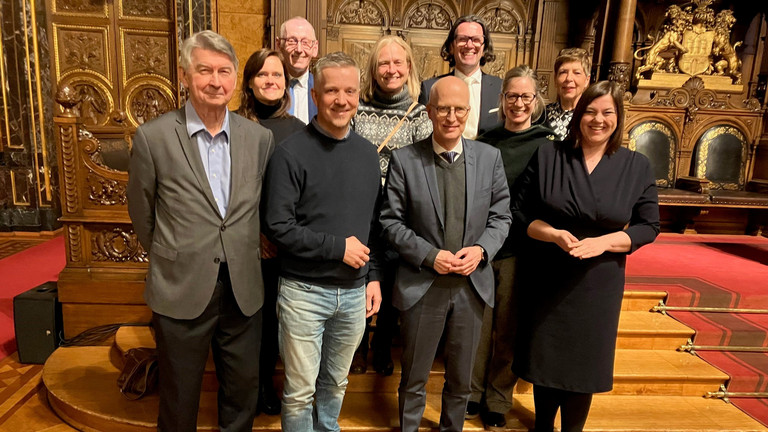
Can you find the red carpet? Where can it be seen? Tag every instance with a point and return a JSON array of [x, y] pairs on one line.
[[21, 272], [715, 271]]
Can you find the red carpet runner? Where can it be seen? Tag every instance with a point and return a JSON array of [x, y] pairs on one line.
[[715, 271], [21, 272]]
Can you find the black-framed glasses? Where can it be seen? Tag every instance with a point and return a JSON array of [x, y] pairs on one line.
[[444, 111], [527, 98], [292, 42], [464, 40]]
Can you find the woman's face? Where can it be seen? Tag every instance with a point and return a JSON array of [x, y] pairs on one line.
[[572, 80], [268, 85], [517, 112], [392, 69], [598, 122]]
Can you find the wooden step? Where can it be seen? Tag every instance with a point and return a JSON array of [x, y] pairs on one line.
[[651, 330], [82, 390], [642, 300]]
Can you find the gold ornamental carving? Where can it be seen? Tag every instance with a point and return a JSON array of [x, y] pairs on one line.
[[429, 61], [147, 54], [147, 9], [361, 12], [429, 16], [80, 7], [94, 101], [106, 192], [648, 126], [670, 39], [82, 50], [498, 67], [702, 156], [501, 20], [148, 100], [117, 245], [67, 139]]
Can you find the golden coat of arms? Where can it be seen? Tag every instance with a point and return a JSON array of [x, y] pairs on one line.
[[698, 47]]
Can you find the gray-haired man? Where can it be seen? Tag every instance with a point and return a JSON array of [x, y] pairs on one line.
[[193, 196]]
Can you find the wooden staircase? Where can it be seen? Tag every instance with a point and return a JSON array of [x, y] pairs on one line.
[[656, 388]]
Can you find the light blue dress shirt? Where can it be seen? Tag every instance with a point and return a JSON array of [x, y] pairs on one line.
[[214, 151]]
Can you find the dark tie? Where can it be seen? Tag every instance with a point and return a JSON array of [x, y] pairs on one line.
[[450, 156], [292, 108]]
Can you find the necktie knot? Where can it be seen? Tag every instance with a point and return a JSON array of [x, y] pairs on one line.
[[449, 156], [294, 82]]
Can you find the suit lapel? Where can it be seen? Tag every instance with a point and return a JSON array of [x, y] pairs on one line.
[[470, 168], [428, 162], [238, 155], [192, 154], [312, 108]]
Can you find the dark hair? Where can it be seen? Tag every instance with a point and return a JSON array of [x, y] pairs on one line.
[[247, 99], [488, 55], [595, 91]]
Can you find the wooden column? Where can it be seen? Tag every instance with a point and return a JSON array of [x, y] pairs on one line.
[[621, 56]]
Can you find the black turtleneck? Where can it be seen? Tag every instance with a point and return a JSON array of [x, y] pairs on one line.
[[281, 127]]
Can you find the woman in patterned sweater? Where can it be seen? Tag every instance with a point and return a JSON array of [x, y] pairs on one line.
[[389, 91], [572, 68]]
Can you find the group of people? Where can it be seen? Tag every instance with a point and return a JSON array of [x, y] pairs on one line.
[[460, 207]]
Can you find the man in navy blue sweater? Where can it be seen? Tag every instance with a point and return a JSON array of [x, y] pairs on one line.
[[322, 189]]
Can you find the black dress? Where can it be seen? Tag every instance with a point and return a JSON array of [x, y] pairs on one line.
[[569, 308]]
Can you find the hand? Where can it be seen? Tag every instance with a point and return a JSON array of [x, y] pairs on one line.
[[268, 249], [589, 247], [565, 240], [444, 262], [355, 253], [372, 298], [469, 258]]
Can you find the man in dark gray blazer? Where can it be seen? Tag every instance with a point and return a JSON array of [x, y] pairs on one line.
[[193, 195], [467, 48], [446, 212]]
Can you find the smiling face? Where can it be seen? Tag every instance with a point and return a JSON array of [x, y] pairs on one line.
[[392, 69], [572, 80], [336, 94], [598, 122], [517, 114], [298, 56], [268, 85], [467, 55], [210, 78], [449, 92]]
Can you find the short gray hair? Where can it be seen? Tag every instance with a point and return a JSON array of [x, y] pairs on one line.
[[336, 59], [207, 40]]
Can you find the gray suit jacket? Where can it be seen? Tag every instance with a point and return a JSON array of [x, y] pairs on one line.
[[177, 221], [490, 89], [413, 222]]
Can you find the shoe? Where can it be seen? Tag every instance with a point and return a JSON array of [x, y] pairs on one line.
[[383, 366], [473, 410], [359, 364], [269, 402], [494, 420]]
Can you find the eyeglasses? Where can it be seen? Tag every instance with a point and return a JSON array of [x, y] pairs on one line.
[[291, 43], [512, 98], [445, 111], [464, 40]]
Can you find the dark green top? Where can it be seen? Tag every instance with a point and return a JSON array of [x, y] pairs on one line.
[[516, 150]]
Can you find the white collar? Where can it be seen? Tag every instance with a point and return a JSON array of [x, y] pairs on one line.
[[303, 80], [438, 149], [477, 75]]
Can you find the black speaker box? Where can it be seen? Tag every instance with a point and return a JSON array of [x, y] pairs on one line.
[[37, 318]]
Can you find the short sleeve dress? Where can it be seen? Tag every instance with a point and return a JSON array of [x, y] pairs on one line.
[[569, 308]]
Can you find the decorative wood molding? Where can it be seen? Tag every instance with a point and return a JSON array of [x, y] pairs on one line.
[[117, 245]]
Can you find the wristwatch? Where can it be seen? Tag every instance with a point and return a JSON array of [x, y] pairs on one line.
[[485, 255]]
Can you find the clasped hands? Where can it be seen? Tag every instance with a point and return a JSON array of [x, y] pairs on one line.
[[589, 247], [463, 262]]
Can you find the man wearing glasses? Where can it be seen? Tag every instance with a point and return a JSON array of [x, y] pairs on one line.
[[299, 46], [467, 48], [446, 230]]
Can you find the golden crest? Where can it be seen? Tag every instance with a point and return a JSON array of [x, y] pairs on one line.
[[696, 60]]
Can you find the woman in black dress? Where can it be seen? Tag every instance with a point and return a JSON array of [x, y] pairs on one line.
[[264, 100], [586, 202]]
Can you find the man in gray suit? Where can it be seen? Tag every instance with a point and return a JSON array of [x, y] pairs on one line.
[[193, 196], [446, 213]]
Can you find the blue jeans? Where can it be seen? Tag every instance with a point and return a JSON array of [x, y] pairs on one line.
[[319, 329]]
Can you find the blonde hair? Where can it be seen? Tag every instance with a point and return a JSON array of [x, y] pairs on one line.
[[522, 71], [368, 85]]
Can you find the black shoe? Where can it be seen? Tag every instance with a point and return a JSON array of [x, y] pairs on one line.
[[473, 410], [269, 403], [493, 420], [359, 364], [383, 365]]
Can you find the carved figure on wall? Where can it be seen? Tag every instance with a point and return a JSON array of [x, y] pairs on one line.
[[92, 104], [429, 16], [149, 104], [677, 21], [363, 12], [729, 63]]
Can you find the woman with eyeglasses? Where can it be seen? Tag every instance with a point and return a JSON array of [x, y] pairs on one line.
[[572, 69], [264, 100], [585, 203], [390, 117], [520, 105]]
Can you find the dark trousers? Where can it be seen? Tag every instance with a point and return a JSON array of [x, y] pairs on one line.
[[270, 269], [386, 318], [457, 312], [183, 347]]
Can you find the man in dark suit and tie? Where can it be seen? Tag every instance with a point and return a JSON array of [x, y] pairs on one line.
[[467, 48], [446, 212], [299, 46], [193, 195]]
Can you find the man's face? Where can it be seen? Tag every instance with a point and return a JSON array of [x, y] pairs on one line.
[[298, 46], [336, 94], [449, 110], [210, 79], [467, 46]]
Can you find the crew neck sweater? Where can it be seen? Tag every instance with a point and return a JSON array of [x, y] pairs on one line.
[[319, 191]]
